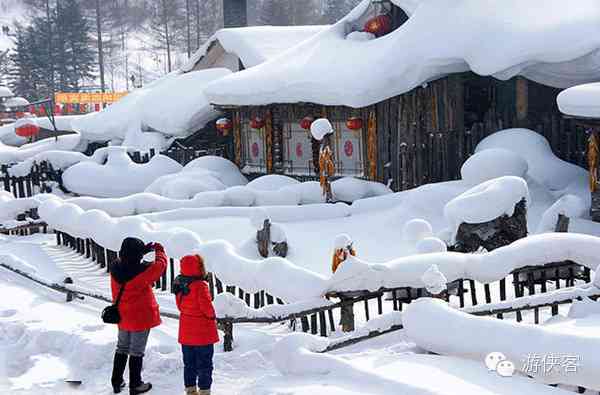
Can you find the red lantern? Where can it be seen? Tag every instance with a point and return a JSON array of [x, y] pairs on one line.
[[379, 25], [354, 123], [306, 122], [223, 126], [97, 107], [257, 123], [27, 130]]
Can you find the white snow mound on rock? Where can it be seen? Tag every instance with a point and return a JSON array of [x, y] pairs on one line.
[[493, 163]]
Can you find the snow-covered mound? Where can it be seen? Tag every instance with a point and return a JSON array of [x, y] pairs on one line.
[[272, 182], [469, 336], [512, 40], [206, 174], [173, 106], [569, 205], [543, 166], [487, 201], [119, 177], [493, 163], [70, 142], [581, 101]]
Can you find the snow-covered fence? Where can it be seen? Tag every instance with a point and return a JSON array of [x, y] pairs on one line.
[[179, 153], [36, 181]]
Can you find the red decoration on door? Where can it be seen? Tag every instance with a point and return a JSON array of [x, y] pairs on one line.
[[299, 150], [255, 150], [348, 148]]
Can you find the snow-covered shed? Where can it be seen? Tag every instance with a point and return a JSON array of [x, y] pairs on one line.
[[243, 47], [425, 90]]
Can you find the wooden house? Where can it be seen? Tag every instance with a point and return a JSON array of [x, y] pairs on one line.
[[412, 131]]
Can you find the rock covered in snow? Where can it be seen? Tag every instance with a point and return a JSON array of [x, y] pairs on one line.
[[416, 230], [487, 201], [430, 245], [434, 280], [321, 128], [493, 163]]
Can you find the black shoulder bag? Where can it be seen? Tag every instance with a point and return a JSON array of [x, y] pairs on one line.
[[110, 314]]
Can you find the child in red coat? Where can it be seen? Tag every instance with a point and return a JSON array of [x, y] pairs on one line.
[[197, 325]]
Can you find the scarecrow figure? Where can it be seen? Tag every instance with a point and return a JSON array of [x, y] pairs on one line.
[[343, 249], [322, 130], [593, 157]]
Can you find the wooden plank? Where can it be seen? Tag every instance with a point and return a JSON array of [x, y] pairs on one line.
[[322, 324]]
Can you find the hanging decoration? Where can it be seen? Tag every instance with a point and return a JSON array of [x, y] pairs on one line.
[[306, 122], [379, 25], [27, 130], [257, 123], [354, 123], [223, 126], [97, 107], [57, 109]]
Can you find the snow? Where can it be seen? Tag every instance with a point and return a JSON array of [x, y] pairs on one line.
[[63, 123], [173, 106], [320, 128], [416, 230], [227, 171], [342, 241], [119, 177], [473, 206], [328, 69], [256, 44], [434, 280], [430, 245], [16, 102], [558, 176], [70, 142], [5, 92], [569, 205], [468, 336], [493, 163], [272, 182], [580, 101]]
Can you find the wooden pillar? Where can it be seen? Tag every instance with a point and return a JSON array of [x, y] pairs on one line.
[[227, 327], [522, 101], [372, 147], [237, 137], [269, 141]]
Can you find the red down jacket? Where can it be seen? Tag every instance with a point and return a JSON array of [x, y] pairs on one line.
[[138, 307], [197, 325]]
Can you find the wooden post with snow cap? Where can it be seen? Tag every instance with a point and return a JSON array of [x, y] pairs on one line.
[[227, 328]]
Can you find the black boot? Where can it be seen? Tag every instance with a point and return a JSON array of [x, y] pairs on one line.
[[119, 364], [136, 385]]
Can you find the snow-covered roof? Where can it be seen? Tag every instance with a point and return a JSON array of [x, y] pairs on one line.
[[547, 42], [581, 101], [174, 105], [256, 44], [5, 92]]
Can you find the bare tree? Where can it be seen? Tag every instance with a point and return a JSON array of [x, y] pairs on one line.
[[100, 51]]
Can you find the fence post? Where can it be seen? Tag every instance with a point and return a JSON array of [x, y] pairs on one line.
[[227, 327], [347, 313]]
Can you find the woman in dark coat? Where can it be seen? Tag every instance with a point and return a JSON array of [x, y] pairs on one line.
[[137, 307]]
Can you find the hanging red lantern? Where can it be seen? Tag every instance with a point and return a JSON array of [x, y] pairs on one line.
[[354, 123], [306, 122], [27, 129], [379, 25], [257, 123], [223, 126]]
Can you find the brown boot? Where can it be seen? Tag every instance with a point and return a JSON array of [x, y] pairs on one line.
[[191, 391], [203, 392]]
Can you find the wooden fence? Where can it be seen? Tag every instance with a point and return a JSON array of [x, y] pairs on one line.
[[36, 181]]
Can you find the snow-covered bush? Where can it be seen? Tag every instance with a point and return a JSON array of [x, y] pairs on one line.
[[431, 245], [416, 230], [569, 205]]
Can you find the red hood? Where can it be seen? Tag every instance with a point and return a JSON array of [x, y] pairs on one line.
[[192, 266]]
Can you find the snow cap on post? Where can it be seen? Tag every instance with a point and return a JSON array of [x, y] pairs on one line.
[[321, 128], [258, 217], [342, 241], [434, 280]]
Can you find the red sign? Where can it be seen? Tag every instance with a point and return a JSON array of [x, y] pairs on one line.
[[348, 148], [255, 150], [299, 151]]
